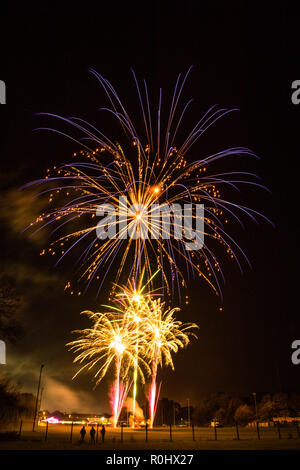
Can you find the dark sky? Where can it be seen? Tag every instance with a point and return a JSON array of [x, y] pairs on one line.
[[244, 56]]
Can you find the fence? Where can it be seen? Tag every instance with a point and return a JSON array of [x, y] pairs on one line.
[[71, 432]]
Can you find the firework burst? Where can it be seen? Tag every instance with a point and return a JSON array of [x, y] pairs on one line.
[[150, 168], [136, 336], [110, 342]]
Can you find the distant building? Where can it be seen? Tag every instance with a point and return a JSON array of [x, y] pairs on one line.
[[170, 412], [274, 420], [57, 417]]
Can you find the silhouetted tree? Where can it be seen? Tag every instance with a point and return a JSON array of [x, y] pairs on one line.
[[243, 414], [10, 304]]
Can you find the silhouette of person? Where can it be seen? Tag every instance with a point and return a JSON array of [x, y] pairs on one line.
[[92, 434], [103, 432], [82, 433]]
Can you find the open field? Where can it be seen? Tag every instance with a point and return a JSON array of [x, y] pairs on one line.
[[59, 438]]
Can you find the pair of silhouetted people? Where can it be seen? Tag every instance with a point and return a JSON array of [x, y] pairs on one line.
[[92, 434]]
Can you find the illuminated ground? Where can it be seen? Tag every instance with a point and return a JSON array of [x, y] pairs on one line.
[[159, 438]]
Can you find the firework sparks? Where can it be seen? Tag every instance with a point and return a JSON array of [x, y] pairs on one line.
[[109, 342], [137, 335], [134, 299], [137, 298], [133, 178], [164, 335]]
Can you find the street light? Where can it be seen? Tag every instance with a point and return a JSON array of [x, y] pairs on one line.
[[188, 412], [174, 414], [40, 400], [255, 404], [37, 398]]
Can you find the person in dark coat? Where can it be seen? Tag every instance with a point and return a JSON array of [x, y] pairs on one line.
[[103, 432], [82, 433], [92, 434]]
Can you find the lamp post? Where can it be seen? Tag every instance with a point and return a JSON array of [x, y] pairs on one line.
[[188, 412], [174, 414], [37, 398], [255, 404], [40, 400]]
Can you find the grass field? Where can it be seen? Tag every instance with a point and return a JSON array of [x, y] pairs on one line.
[[59, 438]]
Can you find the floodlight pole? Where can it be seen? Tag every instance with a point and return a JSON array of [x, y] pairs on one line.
[[189, 412], [37, 398], [255, 403]]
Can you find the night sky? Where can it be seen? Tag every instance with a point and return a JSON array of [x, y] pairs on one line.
[[244, 56]]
